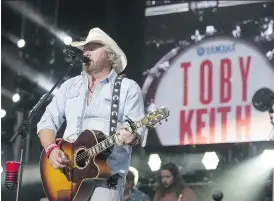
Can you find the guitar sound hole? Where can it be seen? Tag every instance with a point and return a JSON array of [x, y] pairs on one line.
[[81, 159]]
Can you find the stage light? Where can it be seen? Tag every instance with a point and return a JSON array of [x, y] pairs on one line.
[[3, 113], [210, 160], [210, 30], [67, 40], [154, 162], [268, 153], [269, 28], [21, 43], [197, 36], [16, 97], [237, 32], [269, 55], [238, 28], [267, 158]]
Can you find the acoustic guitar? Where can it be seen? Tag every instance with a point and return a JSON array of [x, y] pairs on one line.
[[87, 156]]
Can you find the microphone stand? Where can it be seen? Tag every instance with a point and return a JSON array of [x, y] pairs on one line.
[[22, 130]]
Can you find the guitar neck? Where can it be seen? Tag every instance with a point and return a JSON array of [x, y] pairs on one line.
[[110, 141], [148, 121]]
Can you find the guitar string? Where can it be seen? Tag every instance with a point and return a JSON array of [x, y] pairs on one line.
[[86, 152]]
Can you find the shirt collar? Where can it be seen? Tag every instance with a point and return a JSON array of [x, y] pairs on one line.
[[112, 75]]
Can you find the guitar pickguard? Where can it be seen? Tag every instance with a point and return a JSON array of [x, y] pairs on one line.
[[67, 172]]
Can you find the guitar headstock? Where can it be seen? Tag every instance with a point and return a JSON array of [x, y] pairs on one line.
[[155, 117]]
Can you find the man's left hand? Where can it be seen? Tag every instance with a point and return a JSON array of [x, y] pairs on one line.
[[125, 137]]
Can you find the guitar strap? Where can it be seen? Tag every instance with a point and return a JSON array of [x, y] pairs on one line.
[[115, 100]]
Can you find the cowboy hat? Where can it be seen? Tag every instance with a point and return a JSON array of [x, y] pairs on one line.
[[96, 35]]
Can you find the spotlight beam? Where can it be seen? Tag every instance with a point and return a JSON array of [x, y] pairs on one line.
[[29, 12], [18, 66], [8, 94]]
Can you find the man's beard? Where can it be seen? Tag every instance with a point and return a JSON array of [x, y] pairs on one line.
[[89, 67], [168, 187]]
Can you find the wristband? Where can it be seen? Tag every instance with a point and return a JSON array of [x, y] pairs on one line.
[[51, 146]]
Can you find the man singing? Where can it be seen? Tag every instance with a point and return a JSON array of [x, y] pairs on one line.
[[84, 102]]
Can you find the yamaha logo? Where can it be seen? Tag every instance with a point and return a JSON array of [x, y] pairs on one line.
[[218, 49]]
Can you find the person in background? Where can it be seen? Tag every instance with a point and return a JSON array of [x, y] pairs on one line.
[[172, 187], [130, 192]]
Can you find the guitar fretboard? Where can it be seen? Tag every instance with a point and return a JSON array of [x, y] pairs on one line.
[[102, 146], [110, 141]]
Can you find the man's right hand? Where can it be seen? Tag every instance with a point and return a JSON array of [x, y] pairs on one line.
[[57, 158]]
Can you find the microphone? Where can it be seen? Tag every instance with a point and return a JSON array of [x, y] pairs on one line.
[[12, 168], [76, 56]]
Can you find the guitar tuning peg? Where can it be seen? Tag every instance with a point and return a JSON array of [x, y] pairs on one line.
[[166, 119], [154, 126], [160, 123]]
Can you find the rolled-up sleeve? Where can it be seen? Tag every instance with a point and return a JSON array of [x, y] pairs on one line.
[[134, 106], [54, 114]]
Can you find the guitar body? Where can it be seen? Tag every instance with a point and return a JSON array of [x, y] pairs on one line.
[[75, 182]]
